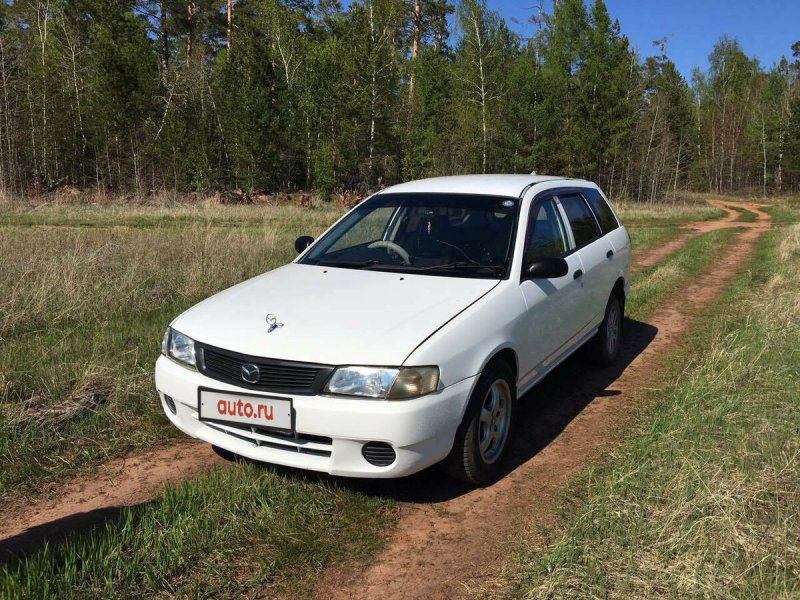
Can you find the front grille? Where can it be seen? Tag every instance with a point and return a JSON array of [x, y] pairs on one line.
[[379, 454], [280, 376]]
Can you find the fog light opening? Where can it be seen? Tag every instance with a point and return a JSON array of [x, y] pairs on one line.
[[379, 454], [170, 404]]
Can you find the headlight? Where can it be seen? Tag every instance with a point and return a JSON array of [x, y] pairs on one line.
[[384, 382], [179, 347]]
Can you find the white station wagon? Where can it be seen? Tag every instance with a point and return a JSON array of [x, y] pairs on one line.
[[404, 335]]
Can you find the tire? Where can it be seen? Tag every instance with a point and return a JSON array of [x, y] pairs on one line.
[[481, 441], [604, 347]]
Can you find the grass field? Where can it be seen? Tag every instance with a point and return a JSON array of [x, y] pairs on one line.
[[87, 296], [703, 499], [142, 267], [90, 291]]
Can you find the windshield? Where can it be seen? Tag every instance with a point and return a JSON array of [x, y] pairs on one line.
[[456, 235]]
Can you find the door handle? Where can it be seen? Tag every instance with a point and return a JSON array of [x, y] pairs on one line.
[[609, 254], [577, 274]]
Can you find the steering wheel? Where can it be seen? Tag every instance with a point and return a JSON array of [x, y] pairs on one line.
[[396, 248]]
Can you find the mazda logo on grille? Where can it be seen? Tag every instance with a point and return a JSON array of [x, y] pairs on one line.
[[251, 373]]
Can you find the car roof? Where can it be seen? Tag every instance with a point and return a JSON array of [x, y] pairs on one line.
[[495, 185]]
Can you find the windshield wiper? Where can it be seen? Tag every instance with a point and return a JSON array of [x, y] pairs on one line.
[[348, 264], [463, 266]]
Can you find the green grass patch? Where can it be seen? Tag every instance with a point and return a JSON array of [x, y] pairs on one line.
[[703, 500], [239, 531], [651, 285]]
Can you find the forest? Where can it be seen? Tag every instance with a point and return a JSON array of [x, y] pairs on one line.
[[138, 96]]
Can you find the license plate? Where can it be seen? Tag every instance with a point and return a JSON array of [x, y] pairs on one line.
[[245, 409]]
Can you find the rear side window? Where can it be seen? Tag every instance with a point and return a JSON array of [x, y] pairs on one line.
[[580, 217], [601, 208], [546, 235]]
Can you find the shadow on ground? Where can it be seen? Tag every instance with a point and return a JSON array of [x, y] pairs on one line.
[[17, 547]]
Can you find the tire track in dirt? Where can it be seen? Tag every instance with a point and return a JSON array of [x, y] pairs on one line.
[[651, 256], [445, 545], [71, 506]]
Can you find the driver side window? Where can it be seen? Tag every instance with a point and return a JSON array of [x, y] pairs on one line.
[[546, 235]]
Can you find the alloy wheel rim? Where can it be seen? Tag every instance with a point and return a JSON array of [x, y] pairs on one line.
[[494, 422]]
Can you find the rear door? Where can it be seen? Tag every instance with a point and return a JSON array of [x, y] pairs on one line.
[[618, 263], [552, 304], [595, 251]]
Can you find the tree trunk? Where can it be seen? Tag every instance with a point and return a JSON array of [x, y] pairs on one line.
[[416, 28], [230, 29], [373, 90], [41, 25], [647, 156], [482, 90], [164, 34], [191, 10], [677, 167], [9, 158]]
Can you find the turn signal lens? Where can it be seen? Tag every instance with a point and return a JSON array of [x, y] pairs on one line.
[[412, 382]]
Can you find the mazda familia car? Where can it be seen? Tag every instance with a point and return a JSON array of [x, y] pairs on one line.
[[404, 335]]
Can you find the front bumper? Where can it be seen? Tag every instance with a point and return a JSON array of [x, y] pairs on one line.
[[331, 431]]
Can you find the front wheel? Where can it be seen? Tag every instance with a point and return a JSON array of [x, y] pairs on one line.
[[606, 344], [481, 439]]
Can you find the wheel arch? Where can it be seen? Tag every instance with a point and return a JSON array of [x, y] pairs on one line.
[[507, 355]]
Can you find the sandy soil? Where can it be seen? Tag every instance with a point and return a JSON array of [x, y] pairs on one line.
[[448, 536]]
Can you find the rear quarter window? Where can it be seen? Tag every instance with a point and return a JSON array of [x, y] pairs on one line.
[[602, 210]]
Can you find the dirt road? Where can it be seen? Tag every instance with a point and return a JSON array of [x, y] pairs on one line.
[[448, 536], [651, 256], [444, 545]]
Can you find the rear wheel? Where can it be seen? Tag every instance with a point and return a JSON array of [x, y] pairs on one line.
[[606, 344], [481, 439]]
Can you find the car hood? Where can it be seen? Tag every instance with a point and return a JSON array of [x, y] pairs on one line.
[[331, 315]]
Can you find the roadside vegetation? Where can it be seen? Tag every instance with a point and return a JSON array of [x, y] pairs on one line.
[[703, 499], [691, 208], [84, 303]]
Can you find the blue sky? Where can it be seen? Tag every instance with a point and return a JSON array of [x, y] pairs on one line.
[[766, 29]]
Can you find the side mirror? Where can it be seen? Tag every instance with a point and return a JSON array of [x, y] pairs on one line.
[[544, 267], [303, 242]]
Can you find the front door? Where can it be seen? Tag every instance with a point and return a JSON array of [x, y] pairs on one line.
[[551, 304]]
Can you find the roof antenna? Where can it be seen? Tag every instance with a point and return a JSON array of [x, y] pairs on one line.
[[533, 172]]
